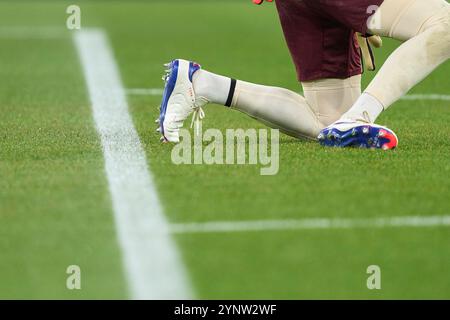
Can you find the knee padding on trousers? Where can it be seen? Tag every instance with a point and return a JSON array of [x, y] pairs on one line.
[[438, 46]]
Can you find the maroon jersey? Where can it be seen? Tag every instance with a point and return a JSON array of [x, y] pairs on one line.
[[321, 35]]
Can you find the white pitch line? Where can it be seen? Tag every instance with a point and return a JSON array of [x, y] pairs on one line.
[[32, 32], [441, 97], [152, 263], [311, 224], [145, 91]]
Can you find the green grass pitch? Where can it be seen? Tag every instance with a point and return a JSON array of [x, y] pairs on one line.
[[55, 207]]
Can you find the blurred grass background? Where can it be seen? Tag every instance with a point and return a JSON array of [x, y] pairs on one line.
[[54, 203]]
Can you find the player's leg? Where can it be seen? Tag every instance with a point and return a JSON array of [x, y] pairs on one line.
[[190, 88], [324, 102], [276, 107], [425, 26]]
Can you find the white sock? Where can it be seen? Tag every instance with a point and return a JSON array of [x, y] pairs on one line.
[[213, 87], [366, 108]]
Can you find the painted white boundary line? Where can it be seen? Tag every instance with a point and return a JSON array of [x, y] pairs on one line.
[[441, 97], [32, 32], [311, 224], [145, 92], [152, 263]]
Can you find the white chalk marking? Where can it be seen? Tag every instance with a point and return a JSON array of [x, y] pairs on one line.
[[436, 97], [145, 92], [152, 263], [311, 224], [32, 32]]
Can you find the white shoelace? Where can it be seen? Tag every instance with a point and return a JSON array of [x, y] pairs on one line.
[[197, 118]]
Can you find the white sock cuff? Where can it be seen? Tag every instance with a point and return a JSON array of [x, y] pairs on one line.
[[367, 108]]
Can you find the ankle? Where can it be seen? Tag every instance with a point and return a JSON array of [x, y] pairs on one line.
[[366, 109], [211, 87]]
